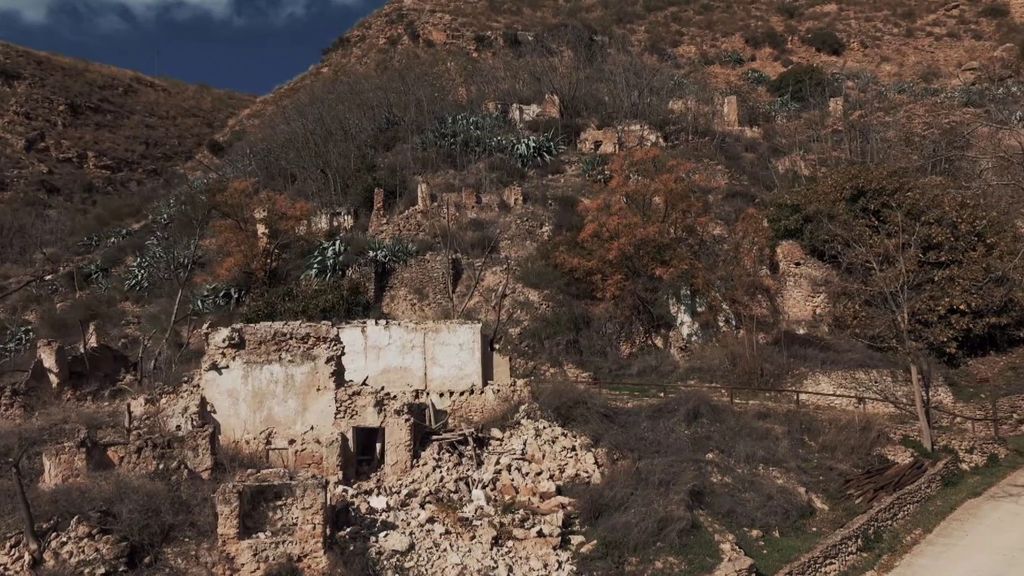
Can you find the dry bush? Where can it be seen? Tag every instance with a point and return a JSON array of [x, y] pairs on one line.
[[995, 11], [235, 457], [739, 361], [826, 41], [335, 301], [763, 35], [148, 513], [746, 361], [668, 451]]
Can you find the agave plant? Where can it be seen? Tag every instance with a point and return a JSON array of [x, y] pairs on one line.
[[161, 259], [595, 169], [470, 135], [389, 254], [16, 340], [528, 150], [97, 275], [328, 261], [756, 77], [218, 297]]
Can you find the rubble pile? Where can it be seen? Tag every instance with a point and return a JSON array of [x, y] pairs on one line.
[[485, 505], [82, 548]]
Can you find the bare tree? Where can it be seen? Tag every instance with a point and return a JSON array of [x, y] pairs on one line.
[[33, 544], [456, 265], [925, 270]]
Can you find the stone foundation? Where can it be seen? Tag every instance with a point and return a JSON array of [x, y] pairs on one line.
[[269, 518]]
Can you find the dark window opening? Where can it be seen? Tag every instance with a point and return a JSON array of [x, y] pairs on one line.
[[369, 450]]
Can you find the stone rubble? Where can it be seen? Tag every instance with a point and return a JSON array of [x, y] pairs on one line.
[[491, 506], [83, 548]]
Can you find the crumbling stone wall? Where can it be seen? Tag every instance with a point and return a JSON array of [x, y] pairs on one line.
[[1017, 10], [305, 392], [836, 552], [275, 381], [892, 385], [52, 358], [191, 453], [612, 140], [394, 413], [730, 113], [468, 409], [13, 405], [271, 517], [803, 298], [64, 464]]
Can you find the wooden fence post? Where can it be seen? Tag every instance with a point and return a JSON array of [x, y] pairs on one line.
[[995, 418]]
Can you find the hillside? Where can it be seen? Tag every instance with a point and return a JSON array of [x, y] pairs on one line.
[[82, 145], [901, 40], [526, 288]]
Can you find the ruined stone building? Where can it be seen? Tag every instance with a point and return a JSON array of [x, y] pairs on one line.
[[347, 399], [803, 290]]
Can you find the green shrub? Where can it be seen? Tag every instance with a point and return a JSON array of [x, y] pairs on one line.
[[756, 77], [764, 35], [530, 150], [825, 41], [214, 297], [995, 11], [389, 254], [734, 59], [333, 301], [803, 83], [468, 137], [330, 260], [595, 168], [15, 340]]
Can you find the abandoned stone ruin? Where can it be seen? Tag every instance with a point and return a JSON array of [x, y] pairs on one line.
[[344, 415], [351, 399]]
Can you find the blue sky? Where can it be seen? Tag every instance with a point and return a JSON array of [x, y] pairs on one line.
[[245, 45]]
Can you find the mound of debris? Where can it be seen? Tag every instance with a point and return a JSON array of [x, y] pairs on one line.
[[82, 548], [476, 504]]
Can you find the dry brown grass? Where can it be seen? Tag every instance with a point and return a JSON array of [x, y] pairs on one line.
[[689, 453]]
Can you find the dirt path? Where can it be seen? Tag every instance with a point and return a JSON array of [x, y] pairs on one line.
[[984, 537]]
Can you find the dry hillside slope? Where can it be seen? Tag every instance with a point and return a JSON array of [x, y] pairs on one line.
[[76, 137], [896, 40]]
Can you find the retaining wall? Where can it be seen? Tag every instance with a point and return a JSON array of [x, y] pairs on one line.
[[836, 552]]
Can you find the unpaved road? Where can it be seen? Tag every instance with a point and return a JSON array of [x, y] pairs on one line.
[[984, 537]]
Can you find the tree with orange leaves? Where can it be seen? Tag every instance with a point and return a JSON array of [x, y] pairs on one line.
[[249, 229], [649, 238]]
